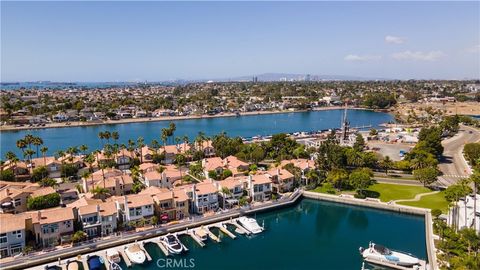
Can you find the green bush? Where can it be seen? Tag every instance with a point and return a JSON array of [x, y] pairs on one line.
[[7, 175], [43, 202]]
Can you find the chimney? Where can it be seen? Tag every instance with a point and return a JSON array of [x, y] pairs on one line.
[[39, 216]]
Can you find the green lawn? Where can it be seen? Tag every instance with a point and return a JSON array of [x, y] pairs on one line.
[[388, 192], [434, 201], [325, 188]]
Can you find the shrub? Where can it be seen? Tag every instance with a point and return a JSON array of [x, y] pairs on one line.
[[43, 202]]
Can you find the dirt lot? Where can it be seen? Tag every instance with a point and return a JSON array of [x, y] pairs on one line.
[[389, 149]]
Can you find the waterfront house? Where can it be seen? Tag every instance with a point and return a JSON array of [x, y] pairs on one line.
[[206, 147], [135, 207], [282, 180], [124, 159], [259, 187], [303, 164], [54, 166], [204, 197], [181, 200], [146, 154], [237, 166], [235, 189], [117, 182], [20, 169], [218, 165], [12, 234], [52, 226], [171, 151], [98, 219]]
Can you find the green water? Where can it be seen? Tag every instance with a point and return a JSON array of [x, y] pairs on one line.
[[310, 235]]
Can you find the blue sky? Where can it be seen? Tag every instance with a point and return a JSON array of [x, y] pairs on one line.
[[125, 41]]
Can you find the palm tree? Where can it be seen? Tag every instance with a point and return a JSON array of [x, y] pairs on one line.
[[386, 164], [226, 192], [29, 153], [101, 136], [29, 138], [107, 135], [22, 144], [155, 145], [90, 159], [61, 154], [171, 129], [83, 148], [100, 192], [10, 156], [475, 178], [37, 141], [44, 151], [185, 143], [140, 145], [115, 136]]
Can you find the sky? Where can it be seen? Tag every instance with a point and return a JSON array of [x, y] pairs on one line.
[[155, 41]]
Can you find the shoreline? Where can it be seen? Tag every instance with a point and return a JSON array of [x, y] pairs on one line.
[[10, 128], [26, 262]]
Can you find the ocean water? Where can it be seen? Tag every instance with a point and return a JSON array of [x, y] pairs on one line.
[[310, 235], [246, 126]]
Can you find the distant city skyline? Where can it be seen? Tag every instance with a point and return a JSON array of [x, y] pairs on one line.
[[159, 41]]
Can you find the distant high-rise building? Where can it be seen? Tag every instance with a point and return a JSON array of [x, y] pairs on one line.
[[307, 78], [255, 79]]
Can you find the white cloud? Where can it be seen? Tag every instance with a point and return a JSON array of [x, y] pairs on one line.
[[418, 56], [356, 57], [395, 40], [474, 49]]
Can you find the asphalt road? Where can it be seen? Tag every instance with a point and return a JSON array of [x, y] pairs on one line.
[[453, 165]]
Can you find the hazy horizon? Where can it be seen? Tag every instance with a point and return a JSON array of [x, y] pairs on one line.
[[162, 41]]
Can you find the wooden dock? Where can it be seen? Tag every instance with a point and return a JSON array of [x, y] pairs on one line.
[[239, 228], [124, 256], [223, 229], [162, 247], [423, 265], [146, 253], [105, 261], [212, 235], [196, 238]]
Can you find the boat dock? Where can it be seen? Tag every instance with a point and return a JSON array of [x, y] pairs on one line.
[[162, 247], [195, 238], [423, 265], [222, 228], [144, 250], [124, 256]]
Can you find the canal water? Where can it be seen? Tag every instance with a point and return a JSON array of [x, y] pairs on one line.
[[310, 235], [246, 126]]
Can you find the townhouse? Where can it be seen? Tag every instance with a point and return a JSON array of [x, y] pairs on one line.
[[98, 219], [204, 197], [170, 151], [54, 166], [230, 191], [12, 234], [135, 207], [282, 180], [303, 164], [53, 226], [117, 182], [259, 187]]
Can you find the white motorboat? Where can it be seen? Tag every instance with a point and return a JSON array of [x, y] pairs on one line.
[[135, 254], [378, 253], [250, 224], [172, 243], [201, 233], [113, 257]]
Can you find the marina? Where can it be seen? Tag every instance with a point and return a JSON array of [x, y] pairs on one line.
[[248, 127], [330, 229]]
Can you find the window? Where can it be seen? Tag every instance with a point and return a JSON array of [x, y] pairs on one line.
[[17, 202], [68, 223], [3, 253], [3, 238], [15, 249], [18, 234]]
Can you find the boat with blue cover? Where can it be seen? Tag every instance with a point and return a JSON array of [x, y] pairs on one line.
[[379, 253]]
